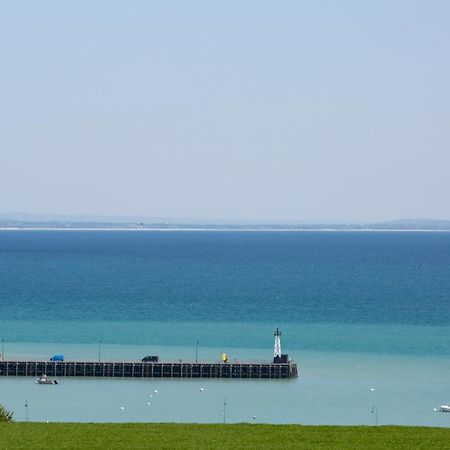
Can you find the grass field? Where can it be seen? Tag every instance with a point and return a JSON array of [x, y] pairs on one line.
[[240, 436]]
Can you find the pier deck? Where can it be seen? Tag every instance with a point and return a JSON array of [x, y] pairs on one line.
[[148, 370]]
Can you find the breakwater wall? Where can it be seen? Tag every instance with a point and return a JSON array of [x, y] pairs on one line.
[[175, 370]]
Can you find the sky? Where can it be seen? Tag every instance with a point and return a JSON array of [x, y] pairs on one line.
[[243, 110]]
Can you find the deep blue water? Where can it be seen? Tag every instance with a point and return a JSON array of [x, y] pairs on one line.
[[226, 276], [299, 279]]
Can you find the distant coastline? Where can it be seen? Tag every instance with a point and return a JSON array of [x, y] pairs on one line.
[[149, 228], [92, 223], [343, 230]]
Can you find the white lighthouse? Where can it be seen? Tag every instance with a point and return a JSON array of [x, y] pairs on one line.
[[277, 344]]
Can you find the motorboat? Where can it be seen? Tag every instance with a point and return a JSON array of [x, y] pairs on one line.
[[444, 408], [44, 379]]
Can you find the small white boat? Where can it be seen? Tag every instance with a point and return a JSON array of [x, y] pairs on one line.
[[444, 408], [44, 379]]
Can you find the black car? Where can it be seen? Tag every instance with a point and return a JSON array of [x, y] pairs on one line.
[[150, 359]]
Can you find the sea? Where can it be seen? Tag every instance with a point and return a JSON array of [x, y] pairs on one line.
[[364, 314]]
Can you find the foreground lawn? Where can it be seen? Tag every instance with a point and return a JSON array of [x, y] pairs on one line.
[[194, 436]]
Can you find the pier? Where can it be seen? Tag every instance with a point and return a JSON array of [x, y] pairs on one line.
[[280, 368], [174, 370]]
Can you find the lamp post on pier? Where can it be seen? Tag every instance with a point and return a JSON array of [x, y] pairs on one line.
[[196, 352], [99, 349]]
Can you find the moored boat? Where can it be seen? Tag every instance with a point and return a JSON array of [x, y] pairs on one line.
[[43, 379]]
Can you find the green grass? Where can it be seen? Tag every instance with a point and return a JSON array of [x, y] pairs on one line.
[[195, 436]]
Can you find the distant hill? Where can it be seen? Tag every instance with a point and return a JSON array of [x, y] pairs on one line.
[[413, 224]]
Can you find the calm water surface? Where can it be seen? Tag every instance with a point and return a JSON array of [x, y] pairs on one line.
[[357, 310]]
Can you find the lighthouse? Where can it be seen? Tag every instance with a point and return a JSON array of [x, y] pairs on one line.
[[278, 357], [277, 344]]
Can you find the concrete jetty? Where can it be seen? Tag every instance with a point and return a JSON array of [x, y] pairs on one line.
[[281, 367]]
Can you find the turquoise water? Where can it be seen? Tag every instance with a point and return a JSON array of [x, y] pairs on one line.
[[357, 311], [334, 388]]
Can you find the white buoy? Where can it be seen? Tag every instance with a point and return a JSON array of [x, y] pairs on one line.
[[202, 389], [434, 409], [122, 408], [148, 403], [372, 389], [155, 391]]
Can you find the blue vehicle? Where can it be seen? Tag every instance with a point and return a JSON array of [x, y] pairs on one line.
[[57, 358]]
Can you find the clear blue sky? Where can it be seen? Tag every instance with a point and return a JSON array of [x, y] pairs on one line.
[[275, 110]]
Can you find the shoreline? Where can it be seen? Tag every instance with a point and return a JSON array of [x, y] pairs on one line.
[[343, 230]]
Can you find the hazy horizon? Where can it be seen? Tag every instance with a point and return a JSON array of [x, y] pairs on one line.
[[312, 112], [30, 217]]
